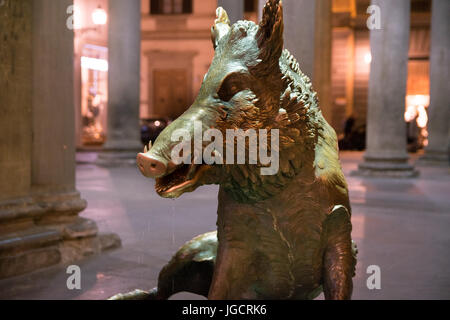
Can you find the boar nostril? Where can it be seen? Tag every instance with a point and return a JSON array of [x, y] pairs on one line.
[[150, 167]]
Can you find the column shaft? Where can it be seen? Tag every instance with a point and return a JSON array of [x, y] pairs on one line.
[[299, 32], [124, 43], [261, 4], [322, 57], [386, 153], [439, 109], [53, 152], [15, 100], [307, 35]]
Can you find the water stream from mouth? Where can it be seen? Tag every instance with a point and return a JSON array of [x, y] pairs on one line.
[[173, 225]]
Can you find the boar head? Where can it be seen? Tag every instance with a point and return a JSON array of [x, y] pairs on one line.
[[251, 84]]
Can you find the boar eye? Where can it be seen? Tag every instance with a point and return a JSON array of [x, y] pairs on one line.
[[231, 86], [228, 91]]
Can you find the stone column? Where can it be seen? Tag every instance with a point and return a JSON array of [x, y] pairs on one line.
[[124, 51], [322, 57], [307, 35], [439, 110], [234, 8], [39, 205], [15, 100], [300, 32], [261, 4], [17, 208], [53, 150], [386, 153]]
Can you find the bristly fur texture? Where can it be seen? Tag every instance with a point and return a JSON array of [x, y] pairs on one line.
[[295, 113], [298, 119]]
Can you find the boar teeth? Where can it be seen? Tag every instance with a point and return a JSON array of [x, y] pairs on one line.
[[148, 147]]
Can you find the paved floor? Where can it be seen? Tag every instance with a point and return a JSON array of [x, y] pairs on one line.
[[402, 226]]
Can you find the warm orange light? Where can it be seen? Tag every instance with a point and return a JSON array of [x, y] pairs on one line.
[[77, 18], [410, 113], [368, 58], [416, 108], [418, 100], [99, 17], [94, 64], [422, 118]]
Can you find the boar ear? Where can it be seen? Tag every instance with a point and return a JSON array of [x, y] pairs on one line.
[[221, 26], [270, 33]]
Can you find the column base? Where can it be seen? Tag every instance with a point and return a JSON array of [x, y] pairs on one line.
[[435, 158], [28, 250], [116, 158], [45, 231], [386, 169]]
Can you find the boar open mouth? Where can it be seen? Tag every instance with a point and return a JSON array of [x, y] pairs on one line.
[[184, 178]]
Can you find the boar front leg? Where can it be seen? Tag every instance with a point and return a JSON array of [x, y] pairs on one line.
[[339, 260], [190, 270]]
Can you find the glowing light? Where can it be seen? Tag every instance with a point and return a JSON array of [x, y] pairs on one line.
[[417, 100], [94, 64], [99, 17], [368, 58], [416, 109], [157, 123], [97, 100], [77, 18], [410, 113], [422, 119]]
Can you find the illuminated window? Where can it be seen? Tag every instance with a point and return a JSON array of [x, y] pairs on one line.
[[170, 6]]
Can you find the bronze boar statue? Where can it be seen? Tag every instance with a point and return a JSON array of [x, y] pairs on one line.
[[280, 236]]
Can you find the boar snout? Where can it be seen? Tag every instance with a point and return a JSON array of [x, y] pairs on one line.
[[150, 167]]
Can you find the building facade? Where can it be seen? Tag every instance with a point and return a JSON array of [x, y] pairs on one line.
[[176, 52]]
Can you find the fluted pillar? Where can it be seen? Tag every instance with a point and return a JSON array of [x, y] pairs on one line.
[[439, 110], [124, 50], [386, 153], [234, 8]]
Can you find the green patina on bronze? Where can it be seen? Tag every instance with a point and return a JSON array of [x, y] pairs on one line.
[[285, 236]]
